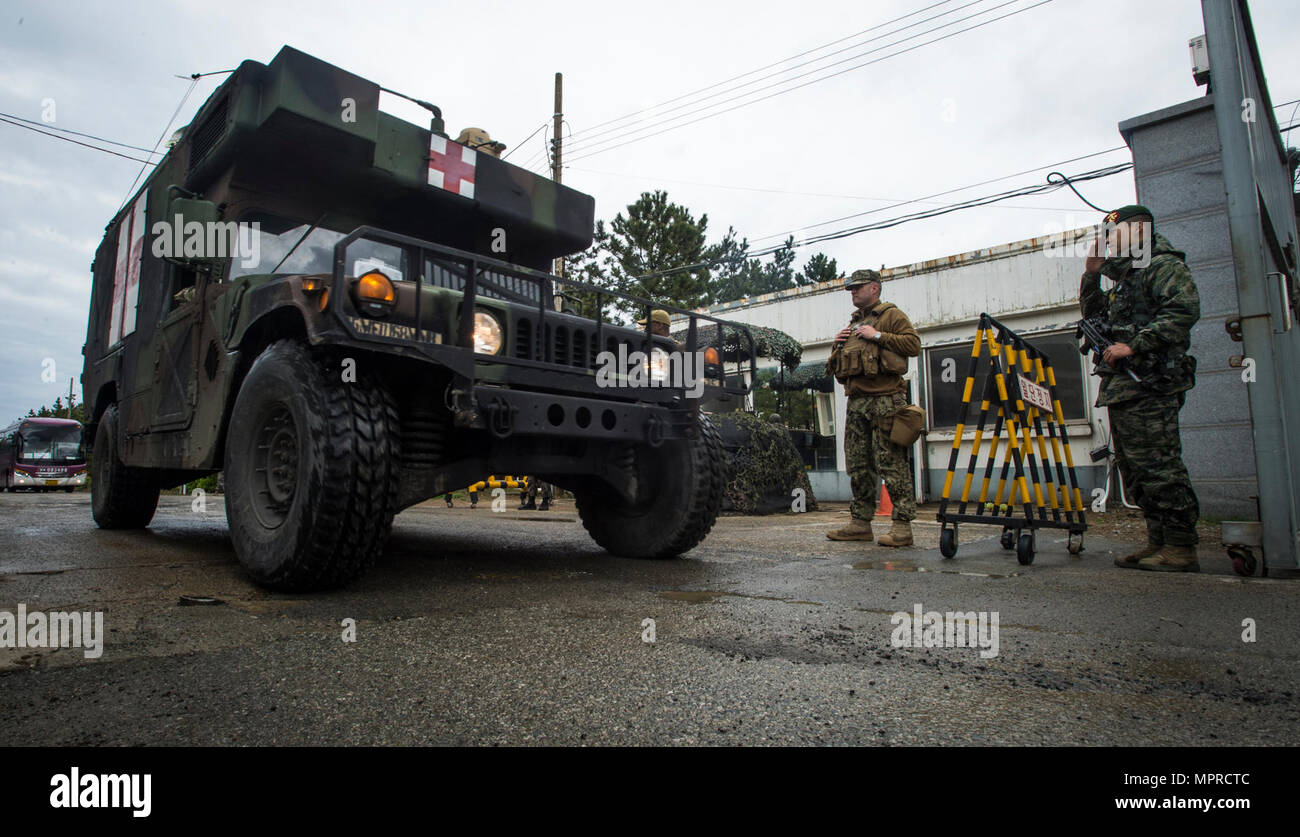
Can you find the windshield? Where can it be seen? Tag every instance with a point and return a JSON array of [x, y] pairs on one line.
[[51, 443], [316, 252]]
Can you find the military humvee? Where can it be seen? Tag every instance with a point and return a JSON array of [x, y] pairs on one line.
[[349, 314]]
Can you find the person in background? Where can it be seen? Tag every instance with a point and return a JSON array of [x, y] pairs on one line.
[[478, 140]]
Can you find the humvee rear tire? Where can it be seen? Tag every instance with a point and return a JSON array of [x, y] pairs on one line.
[[311, 468], [681, 483], [121, 497]]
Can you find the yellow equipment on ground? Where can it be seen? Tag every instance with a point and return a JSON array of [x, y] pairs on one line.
[[505, 481]]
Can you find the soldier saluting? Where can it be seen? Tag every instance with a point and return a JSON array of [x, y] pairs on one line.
[[1151, 310], [869, 357]]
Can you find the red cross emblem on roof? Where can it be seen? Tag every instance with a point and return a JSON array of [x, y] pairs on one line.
[[451, 166]]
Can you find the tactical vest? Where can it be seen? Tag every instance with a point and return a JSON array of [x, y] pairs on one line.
[[1129, 311], [861, 357]]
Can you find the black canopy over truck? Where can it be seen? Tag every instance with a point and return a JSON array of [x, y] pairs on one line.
[[348, 314]]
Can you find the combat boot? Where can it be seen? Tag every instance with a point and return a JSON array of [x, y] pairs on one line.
[[857, 530], [1172, 559], [528, 506], [900, 534], [545, 506], [1130, 561]]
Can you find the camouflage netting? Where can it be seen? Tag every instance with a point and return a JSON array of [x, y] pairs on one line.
[[805, 376], [763, 467], [768, 342]]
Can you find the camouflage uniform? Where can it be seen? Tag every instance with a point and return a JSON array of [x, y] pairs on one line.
[[1152, 309], [870, 456], [872, 375]]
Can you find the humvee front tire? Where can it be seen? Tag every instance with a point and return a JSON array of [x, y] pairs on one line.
[[121, 497], [311, 469], [681, 485]]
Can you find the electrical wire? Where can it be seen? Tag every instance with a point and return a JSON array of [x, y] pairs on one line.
[[1034, 189], [50, 127], [589, 140], [521, 145], [586, 152], [588, 137], [768, 66], [131, 191], [782, 235], [658, 179], [68, 139]]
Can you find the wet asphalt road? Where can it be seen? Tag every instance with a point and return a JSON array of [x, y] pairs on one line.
[[514, 628]]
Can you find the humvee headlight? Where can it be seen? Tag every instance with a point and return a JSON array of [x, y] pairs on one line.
[[711, 356], [658, 365], [376, 287], [487, 333], [374, 294]]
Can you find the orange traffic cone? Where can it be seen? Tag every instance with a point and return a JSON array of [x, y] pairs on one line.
[[886, 507]]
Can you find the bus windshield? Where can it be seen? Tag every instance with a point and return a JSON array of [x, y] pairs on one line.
[[51, 444]]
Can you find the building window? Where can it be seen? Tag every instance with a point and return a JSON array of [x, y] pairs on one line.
[[946, 368]]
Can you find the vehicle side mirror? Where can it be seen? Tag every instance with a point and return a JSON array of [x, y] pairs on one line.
[[193, 227]]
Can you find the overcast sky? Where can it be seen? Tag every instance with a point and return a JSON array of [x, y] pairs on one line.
[[1046, 84]]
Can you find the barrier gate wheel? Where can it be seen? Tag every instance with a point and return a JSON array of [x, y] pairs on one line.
[[948, 542], [1025, 548], [1243, 560], [1074, 548], [1008, 539]]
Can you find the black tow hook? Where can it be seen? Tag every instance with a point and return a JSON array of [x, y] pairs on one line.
[[654, 431], [501, 417]]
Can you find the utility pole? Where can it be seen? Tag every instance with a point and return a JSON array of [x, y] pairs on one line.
[[70, 383], [557, 166]]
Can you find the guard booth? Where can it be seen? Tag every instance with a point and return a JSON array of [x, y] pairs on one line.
[[1215, 172]]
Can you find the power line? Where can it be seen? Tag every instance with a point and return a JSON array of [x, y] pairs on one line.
[[766, 66], [941, 194], [71, 140], [50, 127], [525, 142], [657, 179], [589, 140], [131, 190], [1038, 188], [807, 83], [587, 136]]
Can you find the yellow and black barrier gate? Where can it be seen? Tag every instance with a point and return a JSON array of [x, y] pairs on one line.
[[1020, 393]]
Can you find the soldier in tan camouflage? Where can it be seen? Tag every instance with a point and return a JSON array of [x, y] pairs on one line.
[[1151, 310], [869, 357]]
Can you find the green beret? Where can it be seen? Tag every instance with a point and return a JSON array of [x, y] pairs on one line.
[[861, 277]]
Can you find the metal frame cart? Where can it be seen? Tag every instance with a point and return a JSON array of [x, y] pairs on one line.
[[1021, 387]]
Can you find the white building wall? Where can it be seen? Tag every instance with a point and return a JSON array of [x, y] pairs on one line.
[[1031, 286]]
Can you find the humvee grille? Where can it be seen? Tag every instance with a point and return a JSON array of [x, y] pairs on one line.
[[569, 346], [207, 135]]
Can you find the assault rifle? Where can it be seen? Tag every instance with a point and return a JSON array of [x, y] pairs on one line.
[[1095, 334]]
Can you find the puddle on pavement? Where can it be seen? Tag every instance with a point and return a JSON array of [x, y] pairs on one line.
[[910, 567], [706, 596]]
